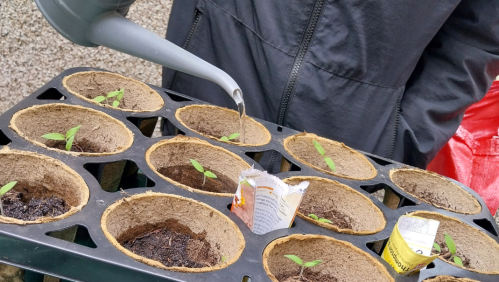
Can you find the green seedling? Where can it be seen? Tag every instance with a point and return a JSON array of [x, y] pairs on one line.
[[231, 137], [118, 94], [200, 168], [321, 151], [319, 219], [6, 188], [298, 261], [68, 138], [437, 247], [224, 259], [452, 249]]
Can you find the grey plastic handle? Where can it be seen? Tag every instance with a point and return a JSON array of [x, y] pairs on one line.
[[116, 32], [101, 22]]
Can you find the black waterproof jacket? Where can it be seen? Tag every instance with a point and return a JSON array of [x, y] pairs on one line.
[[388, 77]]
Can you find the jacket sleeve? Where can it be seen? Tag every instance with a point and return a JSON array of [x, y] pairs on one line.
[[455, 70]]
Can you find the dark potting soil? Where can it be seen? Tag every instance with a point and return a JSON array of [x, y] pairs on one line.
[[445, 254], [25, 207], [170, 243], [308, 276], [82, 146], [338, 218], [188, 175]]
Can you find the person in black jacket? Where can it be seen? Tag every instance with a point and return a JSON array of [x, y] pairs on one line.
[[388, 77]]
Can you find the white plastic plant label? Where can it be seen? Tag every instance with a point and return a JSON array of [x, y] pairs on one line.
[[264, 202]]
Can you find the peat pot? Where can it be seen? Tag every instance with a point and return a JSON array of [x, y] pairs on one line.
[[40, 176], [473, 245], [348, 162], [137, 97], [340, 260], [349, 210], [215, 241], [171, 160], [436, 190], [214, 122]]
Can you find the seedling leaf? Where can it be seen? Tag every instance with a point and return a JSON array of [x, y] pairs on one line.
[[458, 261], [319, 148], [224, 259], [234, 135], [6, 188], [72, 131], [312, 263], [294, 258], [325, 220], [450, 244], [116, 103], [120, 95], [210, 174], [99, 99], [224, 138], [113, 93], [437, 247], [197, 165], [70, 143], [313, 216], [54, 136], [330, 163]]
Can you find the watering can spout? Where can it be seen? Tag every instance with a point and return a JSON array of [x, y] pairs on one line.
[[93, 23]]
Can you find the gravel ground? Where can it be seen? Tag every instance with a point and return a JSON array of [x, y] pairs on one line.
[[32, 52]]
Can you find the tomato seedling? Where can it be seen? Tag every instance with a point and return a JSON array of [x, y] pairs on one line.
[[118, 94], [68, 138], [6, 188], [230, 137], [200, 168], [298, 261], [328, 160]]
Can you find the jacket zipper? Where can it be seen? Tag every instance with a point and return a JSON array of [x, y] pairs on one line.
[[395, 130], [302, 51], [197, 19], [290, 85]]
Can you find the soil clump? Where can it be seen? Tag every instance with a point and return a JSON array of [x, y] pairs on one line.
[[84, 146], [171, 243], [308, 276]]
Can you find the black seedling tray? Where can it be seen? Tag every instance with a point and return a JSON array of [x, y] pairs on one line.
[[30, 247]]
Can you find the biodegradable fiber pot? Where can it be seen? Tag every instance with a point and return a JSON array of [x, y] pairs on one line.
[[340, 259], [154, 209], [481, 250], [341, 204], [108, 135], [445, 278], [179, 150], [138, 97], [348, 162], [434, 189], [215, 122], [36, 170]]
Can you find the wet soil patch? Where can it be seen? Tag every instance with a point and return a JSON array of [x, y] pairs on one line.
[[83, 146], [213, 132], [308, 276], [171, 243], [421, 190], [188, 175], [27, 207], [446, 255], [338, 218]]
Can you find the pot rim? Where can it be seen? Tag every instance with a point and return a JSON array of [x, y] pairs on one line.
[[82, 186], [151, 262], [193, 140], [66, 78], [268, 136], [129, 133], [311, 135]]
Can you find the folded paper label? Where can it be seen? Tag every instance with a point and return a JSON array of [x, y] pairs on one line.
[[408, 249], [264, 202]]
